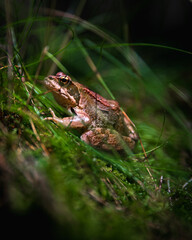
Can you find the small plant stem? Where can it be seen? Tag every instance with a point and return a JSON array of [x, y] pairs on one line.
[[112, 191], [161, 182], [169, 191], [184, 185], [46, 153], [150, 174]]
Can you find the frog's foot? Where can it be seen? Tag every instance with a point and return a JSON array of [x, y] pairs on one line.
[[107, 139], [77, 122], [53, 118], [53, 115]]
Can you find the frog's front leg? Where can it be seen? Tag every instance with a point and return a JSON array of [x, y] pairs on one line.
[[77, 121], [107, 139]]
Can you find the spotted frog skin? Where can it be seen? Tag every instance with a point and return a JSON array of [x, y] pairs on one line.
[[102, 123]]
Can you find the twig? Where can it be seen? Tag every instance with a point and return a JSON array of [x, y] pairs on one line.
[[169, 191], [161, 182], [38, 138], [184, 185], [120, 185], [97, 198], [146, 157], [113, 193]]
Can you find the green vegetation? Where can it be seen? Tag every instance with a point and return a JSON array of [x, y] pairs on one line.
[[58, 184]]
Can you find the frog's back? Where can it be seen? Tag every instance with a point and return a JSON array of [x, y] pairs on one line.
[[111, 104], [103, 113]]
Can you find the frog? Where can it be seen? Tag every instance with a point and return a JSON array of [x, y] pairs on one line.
[[101, 122]]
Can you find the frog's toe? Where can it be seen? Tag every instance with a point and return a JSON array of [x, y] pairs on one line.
[[48, 118], [52, 113]]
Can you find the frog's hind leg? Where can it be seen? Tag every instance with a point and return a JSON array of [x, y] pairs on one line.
[[107, 139]]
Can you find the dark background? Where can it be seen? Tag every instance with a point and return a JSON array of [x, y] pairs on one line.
[[164, 22]]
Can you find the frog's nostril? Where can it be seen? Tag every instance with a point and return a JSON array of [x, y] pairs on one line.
[[51, 77]]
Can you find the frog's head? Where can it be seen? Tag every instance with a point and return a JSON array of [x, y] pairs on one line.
[[65, 91]]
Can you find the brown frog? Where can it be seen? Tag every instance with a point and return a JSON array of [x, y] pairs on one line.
[[101, 121]]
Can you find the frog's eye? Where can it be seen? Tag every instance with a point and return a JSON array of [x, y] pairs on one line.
[[64, 80]]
